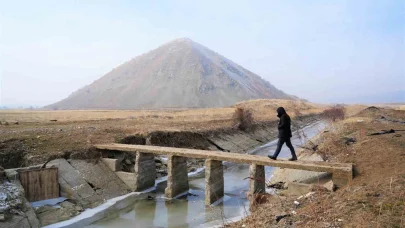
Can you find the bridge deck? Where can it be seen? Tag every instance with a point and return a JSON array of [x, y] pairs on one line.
[[231, 157]]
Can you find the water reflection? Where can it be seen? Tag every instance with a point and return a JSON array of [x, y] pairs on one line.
[[177, 213]]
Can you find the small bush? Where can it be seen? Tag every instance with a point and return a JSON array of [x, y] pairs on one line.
[[243, 118], [337, 112]]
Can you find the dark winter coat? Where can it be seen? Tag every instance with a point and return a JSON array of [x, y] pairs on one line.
[[284, 125]]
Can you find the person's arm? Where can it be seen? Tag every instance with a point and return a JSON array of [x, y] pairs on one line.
[[282, 123]]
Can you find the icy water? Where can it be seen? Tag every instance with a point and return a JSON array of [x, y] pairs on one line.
[[190, 210]]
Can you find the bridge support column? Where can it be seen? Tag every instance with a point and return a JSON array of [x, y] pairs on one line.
[[177, 179], [145, 171], [341, 178], [257, 179], [214, 181]]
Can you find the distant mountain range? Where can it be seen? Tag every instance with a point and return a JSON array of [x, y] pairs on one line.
[[179, 74], [5, 107]]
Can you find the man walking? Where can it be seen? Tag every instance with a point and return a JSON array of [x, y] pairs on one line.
[[284, 134]]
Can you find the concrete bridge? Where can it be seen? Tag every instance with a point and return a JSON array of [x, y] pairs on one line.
[[177, 182]]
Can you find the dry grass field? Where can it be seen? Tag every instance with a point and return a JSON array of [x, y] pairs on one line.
[[262, 110]]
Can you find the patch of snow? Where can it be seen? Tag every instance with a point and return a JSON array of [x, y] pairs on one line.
[[195, 173], [49, 202], [10, 196]]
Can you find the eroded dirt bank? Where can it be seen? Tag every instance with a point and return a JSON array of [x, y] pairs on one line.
[[25, 149]]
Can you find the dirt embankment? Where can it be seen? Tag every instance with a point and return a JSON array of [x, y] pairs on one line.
[[375, 197], [27, 148], [41, 134]]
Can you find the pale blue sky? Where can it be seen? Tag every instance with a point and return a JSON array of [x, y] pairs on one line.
[[324, 51]]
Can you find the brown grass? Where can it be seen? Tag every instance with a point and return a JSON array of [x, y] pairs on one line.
[[243, 118], [263, 110], [334, 113]]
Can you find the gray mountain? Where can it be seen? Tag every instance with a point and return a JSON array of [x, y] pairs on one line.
[[179, 74]]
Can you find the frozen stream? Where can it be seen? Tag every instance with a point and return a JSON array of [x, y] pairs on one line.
[[190, 210]]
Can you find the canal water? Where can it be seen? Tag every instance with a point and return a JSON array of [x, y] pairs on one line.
[[190, 210]]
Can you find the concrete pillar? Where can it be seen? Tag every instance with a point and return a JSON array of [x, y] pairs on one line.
[[214, 181], [145, 171], [341, 178], [257, 179], [177, 178]]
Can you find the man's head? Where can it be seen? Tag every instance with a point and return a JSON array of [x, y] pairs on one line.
[[280, 111]]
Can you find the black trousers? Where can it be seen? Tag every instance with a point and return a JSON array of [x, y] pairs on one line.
[[281, 142]]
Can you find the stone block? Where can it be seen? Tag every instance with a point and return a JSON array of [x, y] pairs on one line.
[[257, 179], [214, 181], [330, 186], [128, 179], [113, 164], [341, 178], [145, 171], [298, 189], [177, 179]]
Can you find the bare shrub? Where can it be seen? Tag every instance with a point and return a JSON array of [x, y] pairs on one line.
[[337, 112], [243, 118]]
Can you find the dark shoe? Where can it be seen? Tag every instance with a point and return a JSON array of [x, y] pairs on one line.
[[272, 157], [292, 159]]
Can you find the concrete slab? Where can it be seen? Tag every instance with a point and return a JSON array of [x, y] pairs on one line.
[[101, 178], [68, 192], [127, 178], [113, 164], [72, 177], [224, 144], [297, 189], [293, 175]]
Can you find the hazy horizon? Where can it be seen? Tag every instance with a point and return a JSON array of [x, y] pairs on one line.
[[326, 52]]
